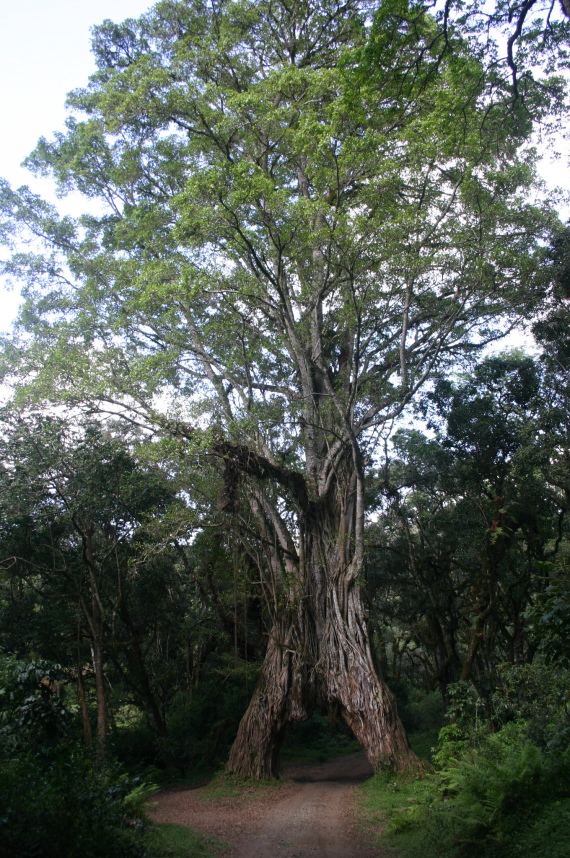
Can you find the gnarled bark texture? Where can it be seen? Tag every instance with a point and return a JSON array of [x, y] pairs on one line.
[[282, 696], [319, 653], [352, 680], [329, 664]]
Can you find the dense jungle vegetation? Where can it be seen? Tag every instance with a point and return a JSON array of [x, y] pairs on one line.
[[269, 478]]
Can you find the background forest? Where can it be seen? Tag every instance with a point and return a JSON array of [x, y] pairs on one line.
[[263, 435]]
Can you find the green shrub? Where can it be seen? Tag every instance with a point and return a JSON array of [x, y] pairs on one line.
[[502, 768], [466, 706], [488, 785], [202, 723], [33, 714], [68, 809], [453, 741], [543, 834], [466, 727], [55, 800], [482, 797], [539, 694]]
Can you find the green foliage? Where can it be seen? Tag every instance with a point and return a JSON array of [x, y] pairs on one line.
[[484, 788], [518, 813], [202, 723], [502, 767], [393, 810], [56, 801], [465, 706], [68, 808], [549, 616], [33, 715], [318, 739], [465, 568], [296, 238], [283, 156], [421, 714], [543, 834], [453, 740], [418, 709], [539, 695], [482, 795], [87, 561]]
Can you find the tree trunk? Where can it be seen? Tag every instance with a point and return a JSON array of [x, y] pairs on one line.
[[351, 679], [137, 678], [283, 695], [101, 694], [87, 733], [321, 658]]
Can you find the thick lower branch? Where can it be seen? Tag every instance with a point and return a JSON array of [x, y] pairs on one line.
[[241, 460]]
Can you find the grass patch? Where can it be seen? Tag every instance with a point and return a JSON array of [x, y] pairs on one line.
[[225, 785], [381, 800], [546, 834], [177, 841]]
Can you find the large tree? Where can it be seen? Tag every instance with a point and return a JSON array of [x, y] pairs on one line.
[[308, 206]]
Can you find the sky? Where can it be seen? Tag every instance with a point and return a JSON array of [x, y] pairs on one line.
[[44, 53]]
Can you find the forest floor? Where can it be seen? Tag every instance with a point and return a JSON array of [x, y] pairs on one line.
[[310, 814]]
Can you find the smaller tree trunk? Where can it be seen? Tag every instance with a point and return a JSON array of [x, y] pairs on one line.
[[136, 676], [279, 698], [101, 693], [87, 732]]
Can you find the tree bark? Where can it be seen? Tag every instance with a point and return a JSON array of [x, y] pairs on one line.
[[101, 695], [321, 657], [87, 732], [283, 695], [352, 681]]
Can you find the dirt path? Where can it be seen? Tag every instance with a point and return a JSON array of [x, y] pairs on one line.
[[311, 815]]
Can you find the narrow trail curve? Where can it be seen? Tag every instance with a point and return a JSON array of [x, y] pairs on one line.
[[310, 816]]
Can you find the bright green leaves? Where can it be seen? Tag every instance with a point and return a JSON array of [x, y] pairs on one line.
[[304, 213]]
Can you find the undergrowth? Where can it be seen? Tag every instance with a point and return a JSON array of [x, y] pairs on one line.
[[58, 800], [506, 802], [317, 740], [494, 791]]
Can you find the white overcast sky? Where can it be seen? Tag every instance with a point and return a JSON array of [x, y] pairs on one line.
[[45, 53]]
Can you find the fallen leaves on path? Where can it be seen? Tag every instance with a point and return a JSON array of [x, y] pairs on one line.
[[310, 814]]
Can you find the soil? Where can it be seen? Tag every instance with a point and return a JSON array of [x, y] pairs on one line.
[[311, 814]]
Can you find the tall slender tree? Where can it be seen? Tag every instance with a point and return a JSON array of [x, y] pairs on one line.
[[310, 205], [73, 503]]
